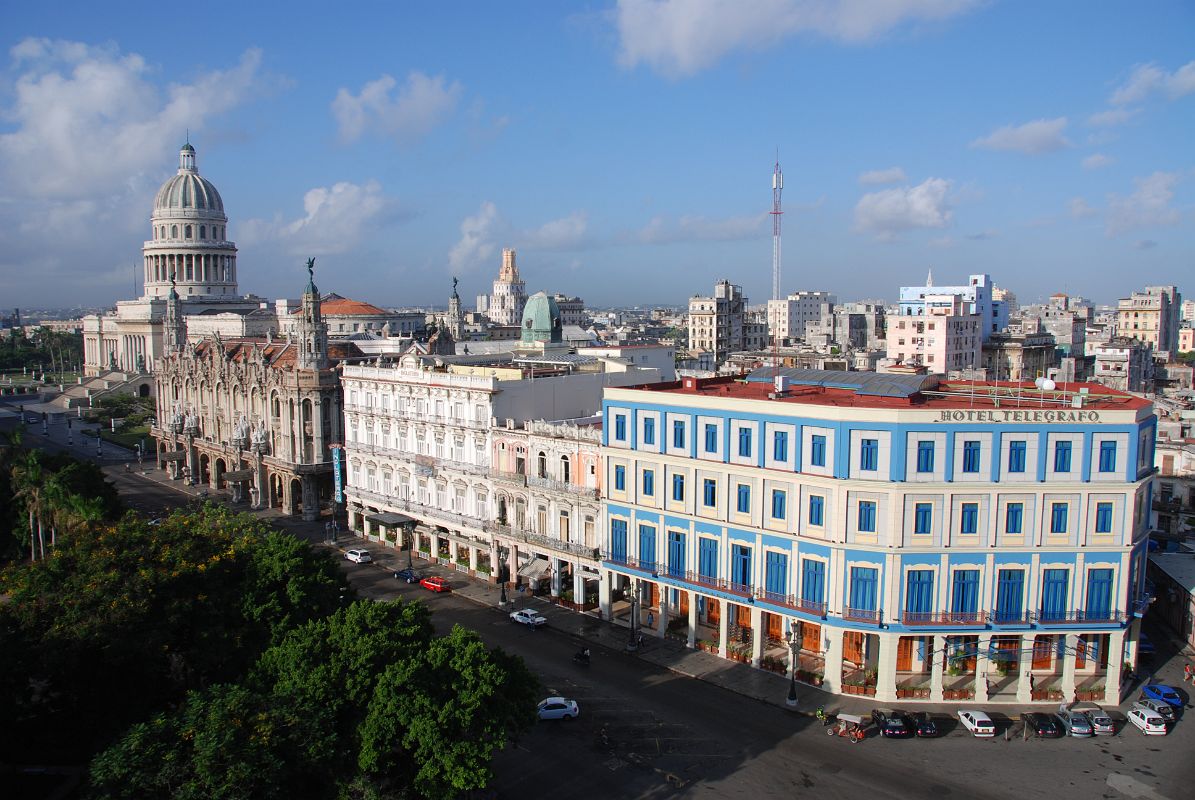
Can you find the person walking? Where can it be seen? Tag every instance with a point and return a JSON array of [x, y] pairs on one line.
[[1188, 674]]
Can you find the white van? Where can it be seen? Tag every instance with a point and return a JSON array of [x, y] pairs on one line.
[[1147, 720], [979, 723]]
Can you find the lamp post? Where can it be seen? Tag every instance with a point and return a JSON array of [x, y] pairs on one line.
[[633, 641], [794, 644], [410, 534], [502, 596]]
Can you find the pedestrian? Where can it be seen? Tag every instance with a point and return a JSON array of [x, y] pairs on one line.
[[1188, 674], [651, 620]]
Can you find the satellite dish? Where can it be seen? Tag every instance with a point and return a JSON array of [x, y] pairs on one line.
[[1048, 385], [1038, 382]]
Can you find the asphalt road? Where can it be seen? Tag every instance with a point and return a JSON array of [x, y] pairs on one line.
[[672, 736]]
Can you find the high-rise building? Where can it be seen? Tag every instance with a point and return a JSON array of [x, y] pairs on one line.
[[942, 336], [918, 539], [509, 295], [787, 318], [716, 323], [977, 295], [1151, 317]]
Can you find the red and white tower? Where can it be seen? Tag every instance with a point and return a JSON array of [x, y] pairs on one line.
[[777, 188]]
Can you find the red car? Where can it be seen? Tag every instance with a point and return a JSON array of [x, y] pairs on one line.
[[435, 584]]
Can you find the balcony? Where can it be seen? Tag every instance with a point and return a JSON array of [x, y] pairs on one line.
[[1077, 617], [802, 605], [415, 508], [549, 543], [869, 616], [1010, 619], [561, 486], [935, 619], [515, 478]]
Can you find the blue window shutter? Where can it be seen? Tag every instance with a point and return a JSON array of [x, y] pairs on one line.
[[1016, 456], [1013, 515], [778, 498], [711, 438], [708, 558], [919, 591], [678, 433], [1103, 517], [740, 565], [1058, 514], [649, 431], [925, 456], [1099, 594], [647, 547], [776, 578], [711, 492], [964, 597], [863, 588], [971, 456], [867, 516], [1062, 456], [678, 487], [969, 518], [744, 499], [618, 540], [923, 518], [620, 427], [1053, 595], [869, 454], [780, 446], [813, 581], [620, 478], [745, 442], [816, 510], [676, 554], [817, 455], [1010, 590], [649, 482], [1107, 456]]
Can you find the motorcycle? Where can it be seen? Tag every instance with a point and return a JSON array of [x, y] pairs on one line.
[[581, 657]]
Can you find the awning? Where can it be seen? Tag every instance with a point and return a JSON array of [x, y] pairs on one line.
[[389, 519], [534, 569], [237, 475], [174, 455]]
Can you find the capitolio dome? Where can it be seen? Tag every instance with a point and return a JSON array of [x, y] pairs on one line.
[[188, 192]]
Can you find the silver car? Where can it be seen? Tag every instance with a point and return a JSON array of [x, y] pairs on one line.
[[1075, 723], [1162, 709], [1101, 723]]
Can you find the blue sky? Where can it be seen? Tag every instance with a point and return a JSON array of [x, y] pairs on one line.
[[625, 149]]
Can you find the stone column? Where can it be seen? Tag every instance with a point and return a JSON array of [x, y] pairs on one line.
[[317, 429], [692, 642], [756, 636], [1068, 667], [662, 622], [983, 667], [495, 562], [473, 559], [723, 627], [1115, 667], [886, 667], [578, 584], [937, 668], [604, 579], [192, 461], [554, 580], [1025, 669], [263, 490], [512, 563], [832, 681]]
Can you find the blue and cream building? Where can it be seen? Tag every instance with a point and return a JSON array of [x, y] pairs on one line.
[[916, 538]]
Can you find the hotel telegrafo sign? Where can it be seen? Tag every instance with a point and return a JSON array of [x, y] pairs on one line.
[[1046, 415]]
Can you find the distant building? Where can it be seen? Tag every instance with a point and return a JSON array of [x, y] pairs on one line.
[[509, 295], [1151, 317], [942, 336], [1023, 352], [1125, 364], [572, 310], [716, 323], [977, 296], [1186, 340], [787, 318]]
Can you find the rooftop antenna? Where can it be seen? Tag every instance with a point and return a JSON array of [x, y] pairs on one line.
[[777, 188]]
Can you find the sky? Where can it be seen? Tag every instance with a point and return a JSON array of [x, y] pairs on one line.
[[624, 148]]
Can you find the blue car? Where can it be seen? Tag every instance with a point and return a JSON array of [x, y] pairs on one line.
[[1166, 694]]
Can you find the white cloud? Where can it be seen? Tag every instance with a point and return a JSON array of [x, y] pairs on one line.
[[881, 176], [1145, 244], [565, 233], [1147, 207], [412, 112], [335, 220], [1148, 79], [891, 211], [662, 230], [1032, 138], [1113, 116], [1096, 161], [1080, 209], [681, 37], [88, 119], [476, 244]]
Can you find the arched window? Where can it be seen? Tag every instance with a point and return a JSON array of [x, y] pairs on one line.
[[187, 231], [564, 469], [543, 465], [173, 231], [202, 231]]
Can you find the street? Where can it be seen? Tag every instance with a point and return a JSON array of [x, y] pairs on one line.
[[646, 731]]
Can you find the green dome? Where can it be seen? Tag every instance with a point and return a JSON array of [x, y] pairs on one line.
[[541, 320]]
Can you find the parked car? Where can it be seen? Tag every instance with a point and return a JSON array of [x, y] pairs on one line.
[[1145, 647], [892, 724], [1101, 723], [1042, 726], [435, 584], [1167, 694], [1159, 707], [1075, 723], [409, 575], [925, 726], [558, 708], [358, 556], [979, 723], [528, 617], [1147, 721]]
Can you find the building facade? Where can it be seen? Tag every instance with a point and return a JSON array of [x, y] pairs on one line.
[[505, 306], [1124, 364], [976, 295], [787, 318], [920, 539], [943, 337], [1151, 317], [716, 323]]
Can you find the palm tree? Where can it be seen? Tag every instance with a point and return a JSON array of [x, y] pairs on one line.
[[29, 485]]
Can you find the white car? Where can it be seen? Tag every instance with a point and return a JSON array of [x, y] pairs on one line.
[[358, 556], [528, 617], [1147, 721], [558, 708], [979, 723]]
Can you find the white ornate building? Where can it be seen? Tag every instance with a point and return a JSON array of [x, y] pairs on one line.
[[510, 293], [188, 244]]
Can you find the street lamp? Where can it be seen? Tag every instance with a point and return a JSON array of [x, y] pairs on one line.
[[633, 641], [794, 644], [409, 530], [502, 596]]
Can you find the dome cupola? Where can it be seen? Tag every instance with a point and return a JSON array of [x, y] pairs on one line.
[[541, 320]]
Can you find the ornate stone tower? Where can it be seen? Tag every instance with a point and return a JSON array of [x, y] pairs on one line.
[[510, 293], [312, 330], [174, 324], [455, 321]]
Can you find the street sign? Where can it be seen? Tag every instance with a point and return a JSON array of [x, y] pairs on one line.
[[336, 479]]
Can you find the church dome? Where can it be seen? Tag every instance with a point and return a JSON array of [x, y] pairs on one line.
[[541, 320], [187, 191]]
